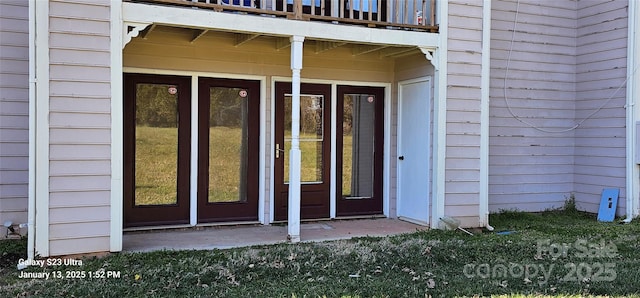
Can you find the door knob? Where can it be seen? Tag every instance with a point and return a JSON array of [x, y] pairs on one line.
[[401, 157], [278, 150]]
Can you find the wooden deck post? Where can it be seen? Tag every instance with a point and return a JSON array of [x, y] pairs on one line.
[[293, 226], [297, 10]]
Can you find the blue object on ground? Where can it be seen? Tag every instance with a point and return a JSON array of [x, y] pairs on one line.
[[608, 203], [506, 233]]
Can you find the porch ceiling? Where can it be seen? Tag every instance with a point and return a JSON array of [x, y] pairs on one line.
[[279, 43]]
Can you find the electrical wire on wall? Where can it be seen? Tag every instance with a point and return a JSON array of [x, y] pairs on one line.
[[506, 98]]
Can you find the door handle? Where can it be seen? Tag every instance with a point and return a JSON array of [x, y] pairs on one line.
[[401, 157], [278, 150]]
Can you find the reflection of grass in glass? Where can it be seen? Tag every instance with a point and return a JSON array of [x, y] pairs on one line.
[[347, 164], [224, 164], [156, 165], [311, 168]]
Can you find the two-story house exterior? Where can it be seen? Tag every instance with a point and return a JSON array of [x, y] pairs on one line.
[[124, 115]]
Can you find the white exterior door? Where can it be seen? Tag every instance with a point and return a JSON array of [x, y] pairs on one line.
[[413, 150]]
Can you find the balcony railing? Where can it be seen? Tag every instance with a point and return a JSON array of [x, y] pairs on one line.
[[390, 14]]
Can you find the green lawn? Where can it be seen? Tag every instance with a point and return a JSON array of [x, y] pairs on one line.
[[561, 254]]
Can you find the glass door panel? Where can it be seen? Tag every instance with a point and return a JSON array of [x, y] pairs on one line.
[[315, 114], [311, 137], [157, 146], [228, 137], [358, 139], [359, 144], [156, 155], [229, 149]]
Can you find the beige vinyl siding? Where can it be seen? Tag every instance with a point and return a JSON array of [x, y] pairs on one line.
[[80, 121], [14, 111], [530, 169], [601, 70], [462, 177]]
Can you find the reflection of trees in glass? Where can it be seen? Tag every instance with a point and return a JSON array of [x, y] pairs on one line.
[[155, 106], [226, 107], [347, 116], [310, 115]]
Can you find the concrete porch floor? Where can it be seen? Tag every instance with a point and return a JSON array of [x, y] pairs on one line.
[[221, 237]]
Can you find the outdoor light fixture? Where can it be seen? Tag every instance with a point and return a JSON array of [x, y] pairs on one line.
[[10, 230]]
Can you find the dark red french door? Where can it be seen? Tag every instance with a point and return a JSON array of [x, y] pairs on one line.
[[360, 143], [157, 115], [157, 150], [315, 145], [229, 133]]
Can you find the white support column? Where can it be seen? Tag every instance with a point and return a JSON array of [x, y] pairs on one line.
[[484, 115], [440, 117], [193, 196], [117, 137], [293, 226], [31, 210], [632, 112], [334, 122], [40, 195]]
